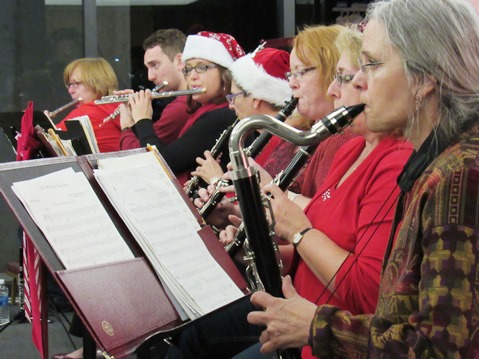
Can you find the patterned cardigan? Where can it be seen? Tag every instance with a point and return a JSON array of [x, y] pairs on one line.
[[428, 301]]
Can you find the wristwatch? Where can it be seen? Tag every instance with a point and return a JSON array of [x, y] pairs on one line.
[[299, 236]]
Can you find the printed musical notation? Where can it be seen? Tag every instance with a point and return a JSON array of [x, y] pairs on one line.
[[164, 226], [67, 210]]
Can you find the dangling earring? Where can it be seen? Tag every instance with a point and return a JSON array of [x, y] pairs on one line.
[[419, 103]]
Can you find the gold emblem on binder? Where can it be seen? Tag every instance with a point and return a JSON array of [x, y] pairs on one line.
[[107, 328]]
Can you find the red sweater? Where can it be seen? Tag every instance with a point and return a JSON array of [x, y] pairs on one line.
[[349, 216], [107, 133]]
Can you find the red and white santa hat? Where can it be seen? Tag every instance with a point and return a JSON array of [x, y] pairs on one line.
[[222, 49], [262, 74]]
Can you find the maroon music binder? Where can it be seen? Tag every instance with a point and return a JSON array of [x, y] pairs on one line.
[[121, 304]]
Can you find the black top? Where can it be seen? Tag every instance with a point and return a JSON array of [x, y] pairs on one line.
[[201, 136]]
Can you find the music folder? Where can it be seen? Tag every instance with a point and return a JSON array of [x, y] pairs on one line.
[[11, 122], [123, 303]]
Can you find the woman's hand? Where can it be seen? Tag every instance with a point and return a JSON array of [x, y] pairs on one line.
[[208, 168], [219, 216], [287, 321], [264, 176], [204, 195], [229, 233], [290, 218]]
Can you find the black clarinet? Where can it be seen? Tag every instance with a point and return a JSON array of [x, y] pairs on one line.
[[284, 179], [194, 182], [262, 140], [261, 249], [255, 149]]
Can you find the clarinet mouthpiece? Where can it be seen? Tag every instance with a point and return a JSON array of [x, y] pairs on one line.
[[342, 117]]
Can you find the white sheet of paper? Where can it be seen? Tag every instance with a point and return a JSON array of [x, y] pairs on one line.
[[167, 231], [66, 209]]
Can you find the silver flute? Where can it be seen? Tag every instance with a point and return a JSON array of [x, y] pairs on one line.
[[124, 98], [64, 107]]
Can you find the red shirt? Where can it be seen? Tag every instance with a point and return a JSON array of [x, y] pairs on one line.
[[107, 133], [278, 153], [268, 150], [318, 167], [350, 215]]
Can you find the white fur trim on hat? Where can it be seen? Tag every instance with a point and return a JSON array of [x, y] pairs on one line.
[[255, 80], [206, 48]]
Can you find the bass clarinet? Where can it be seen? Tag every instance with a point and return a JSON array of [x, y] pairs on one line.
[[252, 151], [284, 179], [262, 254]]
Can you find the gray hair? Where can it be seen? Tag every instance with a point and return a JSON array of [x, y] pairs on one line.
[[438, 39]]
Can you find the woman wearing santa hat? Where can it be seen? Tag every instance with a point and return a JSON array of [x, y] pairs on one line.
[[259, 87], [208, 57]]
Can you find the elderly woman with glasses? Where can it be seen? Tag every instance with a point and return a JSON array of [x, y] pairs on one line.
[[87, 80], [207, 57], [427, 304]]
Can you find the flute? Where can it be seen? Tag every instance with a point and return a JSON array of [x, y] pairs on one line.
[[117, 111], [154, 95], [160, 86], [64, 107]]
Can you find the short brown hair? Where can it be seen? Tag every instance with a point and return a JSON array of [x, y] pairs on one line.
[[171, 41]]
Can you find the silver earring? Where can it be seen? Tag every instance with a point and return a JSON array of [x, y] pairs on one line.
[[419, 103]]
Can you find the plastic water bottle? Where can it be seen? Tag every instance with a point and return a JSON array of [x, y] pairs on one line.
[[4, 308]]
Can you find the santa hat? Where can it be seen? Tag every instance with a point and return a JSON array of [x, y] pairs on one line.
[[262, 74], [222, 49]]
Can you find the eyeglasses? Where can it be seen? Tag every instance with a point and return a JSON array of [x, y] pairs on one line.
[[368, 66], [298, 74], [232, 96], [75, 84], [343, 79], [200, 68]]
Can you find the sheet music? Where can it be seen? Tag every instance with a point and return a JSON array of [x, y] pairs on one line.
[[70, 215], [165, 228]]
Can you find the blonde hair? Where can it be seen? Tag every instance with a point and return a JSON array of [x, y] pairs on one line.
[[96, 73], [350, 41], [315, 46]]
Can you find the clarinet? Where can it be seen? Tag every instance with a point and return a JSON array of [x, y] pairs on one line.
[[194, 182], [258, 144], [255, 148], [260, 246]]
